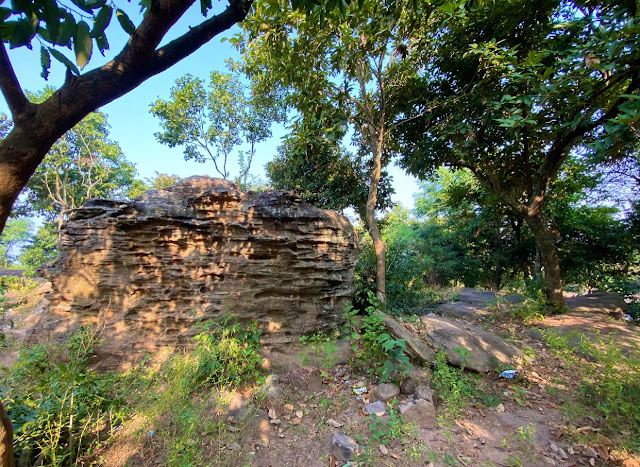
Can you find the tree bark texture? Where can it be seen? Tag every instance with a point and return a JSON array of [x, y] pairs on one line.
[[6, 439], [546, 242], [379, 245], [38, 126]]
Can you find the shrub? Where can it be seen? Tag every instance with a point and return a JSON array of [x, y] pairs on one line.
[[227, 354], [374, 349], [60, 409]]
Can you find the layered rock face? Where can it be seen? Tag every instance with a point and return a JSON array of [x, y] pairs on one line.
[[146, 271]]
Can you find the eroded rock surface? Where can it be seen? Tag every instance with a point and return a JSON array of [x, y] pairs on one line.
[[606, 303], [148, 270], [486, 350]]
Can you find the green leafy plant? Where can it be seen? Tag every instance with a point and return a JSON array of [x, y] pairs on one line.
[[227, 354], [373, 349], [383, 431], [60, 407], [323, 348], [453, 387], [521, 441]]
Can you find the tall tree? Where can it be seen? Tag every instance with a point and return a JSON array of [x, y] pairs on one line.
[[345, 63], [314, 163], [15, 233], [515, 88], [211, 122]]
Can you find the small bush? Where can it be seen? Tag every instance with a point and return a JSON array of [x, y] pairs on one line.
[[60, 409], [452, 385], [611, 389], [374, 350], [227, 354]]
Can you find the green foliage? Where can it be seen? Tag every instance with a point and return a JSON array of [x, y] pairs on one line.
[[324, 350], [211, 122], [407, 267], [523, 442], [59, 406], [41, 249], [383, 431], [14, 234], [611, 387], [531, 100], [319, 169], [57, 25], [227, 354], [181, 400], [3, 301], [84, 163], [534, 307], [452, 386], [374, 350]]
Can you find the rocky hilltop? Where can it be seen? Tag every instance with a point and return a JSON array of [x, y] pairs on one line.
[[147, 271]]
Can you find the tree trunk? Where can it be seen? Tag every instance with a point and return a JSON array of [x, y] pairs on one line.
[[537, 267], [549, 253], [6, 439], [497, 278], [378, 245]]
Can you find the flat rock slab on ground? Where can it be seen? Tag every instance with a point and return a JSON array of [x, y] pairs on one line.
[[606, 303], [488, 351], [596, 328], [472, 305]]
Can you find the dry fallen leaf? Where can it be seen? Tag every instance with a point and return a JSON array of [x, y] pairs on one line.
[[299, 414], [333, 423], [383, 449], [288, 407], [296, 421], [272, 413]]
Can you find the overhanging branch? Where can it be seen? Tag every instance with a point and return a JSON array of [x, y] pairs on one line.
[[10, 86], [191, 41]]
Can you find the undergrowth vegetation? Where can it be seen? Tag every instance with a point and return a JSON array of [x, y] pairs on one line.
[[63, 410], [607, 390]]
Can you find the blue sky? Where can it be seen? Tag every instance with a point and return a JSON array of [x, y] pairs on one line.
[[133, 127]]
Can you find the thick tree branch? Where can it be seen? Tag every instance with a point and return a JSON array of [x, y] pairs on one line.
[[139, 60], [10, 86], [560, 149], [188, 43]]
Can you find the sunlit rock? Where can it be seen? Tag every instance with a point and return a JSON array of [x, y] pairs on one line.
[[146, 272]]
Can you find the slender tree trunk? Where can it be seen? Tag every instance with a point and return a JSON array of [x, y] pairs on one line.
[[378, 245], [549, 253], [497, 279], [6, 439], [537, 267]]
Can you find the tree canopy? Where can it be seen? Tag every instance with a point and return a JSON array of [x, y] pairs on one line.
[[515, 89], [211, 122]]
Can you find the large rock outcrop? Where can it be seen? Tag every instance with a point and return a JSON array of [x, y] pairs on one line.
[[146, 271]]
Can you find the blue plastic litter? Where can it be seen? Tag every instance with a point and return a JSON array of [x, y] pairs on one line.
[[509, 374]]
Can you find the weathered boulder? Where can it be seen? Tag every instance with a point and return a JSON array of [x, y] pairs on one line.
[[487, 351], [147, 271], [415, 348], [606, 303]]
